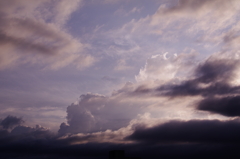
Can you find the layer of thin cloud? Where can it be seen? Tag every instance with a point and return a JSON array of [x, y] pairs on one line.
[[209, 23]]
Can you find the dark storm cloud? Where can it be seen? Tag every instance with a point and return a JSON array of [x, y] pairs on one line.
[[211, 78], [192, 139], [193, 131], [11, 121], [228, 106], [55, 148], [191, 88]]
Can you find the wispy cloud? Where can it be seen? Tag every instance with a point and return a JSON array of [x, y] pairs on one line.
[[36, 33]]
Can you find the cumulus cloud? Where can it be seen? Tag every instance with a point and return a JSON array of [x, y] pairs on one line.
[[35, 31], [94, 112]]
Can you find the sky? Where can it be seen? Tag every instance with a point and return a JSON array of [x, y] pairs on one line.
[[156, 78]]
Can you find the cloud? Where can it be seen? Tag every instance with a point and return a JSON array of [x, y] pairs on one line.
[[211, 85], [215, 76], [110, 79], [188, 6], [187, 83], [201, 21], [37, 34], [94, 112], [228, 106], [39, 132], [187, 139], [193, 131], [10, 122], [165, 68], [122, 65]]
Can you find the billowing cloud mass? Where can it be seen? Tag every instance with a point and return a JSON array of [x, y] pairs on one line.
[[183, 103], [96, 112]]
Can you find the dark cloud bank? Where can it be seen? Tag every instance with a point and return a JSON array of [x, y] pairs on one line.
[[213, 81], [214, 73], [173, 139]]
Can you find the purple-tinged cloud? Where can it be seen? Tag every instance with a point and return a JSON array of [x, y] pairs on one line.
[[38, 34], [212, 77], [10, 122], [96, 112], [228, 106], [193, 131]]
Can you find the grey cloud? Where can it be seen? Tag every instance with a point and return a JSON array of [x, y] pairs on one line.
[[26, 45], [216, 70], [198, 5], [32, 29], [189, 5], [22, 132], [230, 36], [211, 78], [110, 79], [95, 112], [190, 88], [228, 106], [11, 121], [204, 139], [32, 32], [79, 119], [12, 126], [98, 113], [214, 79], [231, 39], [193, 131]]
